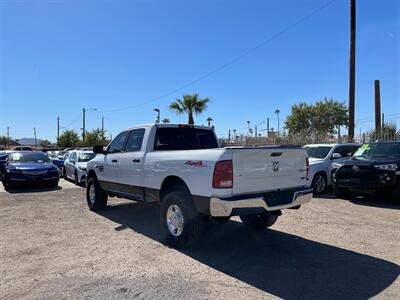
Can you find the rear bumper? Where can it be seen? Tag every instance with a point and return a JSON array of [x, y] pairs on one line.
[[226, 207]]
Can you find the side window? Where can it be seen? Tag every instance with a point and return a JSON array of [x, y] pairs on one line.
[[135, 140], [346, 151], [72, 156], [118, 143]]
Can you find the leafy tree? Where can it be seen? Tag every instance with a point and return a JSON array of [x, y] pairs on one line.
[[93, 138], [68, 138], [190, 104], [316, 121], [209, 120], [165, 120], [4, 141], [45, 143]]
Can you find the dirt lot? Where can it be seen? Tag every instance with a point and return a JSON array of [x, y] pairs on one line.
[[53, 247]]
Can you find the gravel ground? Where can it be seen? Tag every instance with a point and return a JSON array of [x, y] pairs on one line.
[[53, 247]]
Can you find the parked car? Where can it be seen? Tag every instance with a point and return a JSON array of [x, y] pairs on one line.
[[321, 157], [75, 165], [374, 169], [3, 161], [183, 167], [22, 148], [29, 167]]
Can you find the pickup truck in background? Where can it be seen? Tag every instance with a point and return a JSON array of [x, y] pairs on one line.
[[184, 168]]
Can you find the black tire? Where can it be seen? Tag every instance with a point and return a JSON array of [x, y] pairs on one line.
[[99, 201], [259, 221], [319, 183], [192, 221], [65, 173], [76, 179]]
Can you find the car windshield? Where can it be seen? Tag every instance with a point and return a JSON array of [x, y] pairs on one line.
[[84, 157], [28, 157], [318, 151], [387, 149]]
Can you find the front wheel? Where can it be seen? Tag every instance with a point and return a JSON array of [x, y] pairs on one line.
[[95, 196], [319, 183], [181, 224], [259, 221]]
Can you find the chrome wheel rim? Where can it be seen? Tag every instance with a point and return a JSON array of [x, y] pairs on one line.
[[92, 193], [175, 220], [319, 184]]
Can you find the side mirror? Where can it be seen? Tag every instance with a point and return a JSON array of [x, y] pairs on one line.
[[336, 155], [99, 150]]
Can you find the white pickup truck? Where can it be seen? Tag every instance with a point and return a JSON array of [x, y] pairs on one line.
[[184, 168]]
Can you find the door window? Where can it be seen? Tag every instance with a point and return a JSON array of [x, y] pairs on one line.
[[135, 140], [117, 145]]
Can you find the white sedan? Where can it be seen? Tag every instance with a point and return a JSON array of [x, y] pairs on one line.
[[75, 165]]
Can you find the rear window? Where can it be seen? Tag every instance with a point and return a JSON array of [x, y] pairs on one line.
[[184, 139]]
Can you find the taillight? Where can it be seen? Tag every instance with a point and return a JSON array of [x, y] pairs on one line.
[[223, 175], [307, 168]]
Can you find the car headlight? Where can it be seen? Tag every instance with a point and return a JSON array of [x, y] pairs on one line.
[[12, 171], [336, 165], [386, 167]]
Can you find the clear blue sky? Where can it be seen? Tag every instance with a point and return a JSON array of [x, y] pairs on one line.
[[57, 57]]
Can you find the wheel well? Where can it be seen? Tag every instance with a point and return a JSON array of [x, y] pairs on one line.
[[91, 174], [172, 182], [323, 173]]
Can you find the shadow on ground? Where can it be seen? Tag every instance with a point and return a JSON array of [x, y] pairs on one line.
[[30, 189], [281, 264], [376, 201]]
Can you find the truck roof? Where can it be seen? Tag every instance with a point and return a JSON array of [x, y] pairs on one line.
[[331, 145], [161, 125]]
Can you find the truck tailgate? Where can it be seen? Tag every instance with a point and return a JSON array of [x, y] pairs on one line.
[[263, 169]]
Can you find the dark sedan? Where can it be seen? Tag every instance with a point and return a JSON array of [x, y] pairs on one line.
[[29, 168]]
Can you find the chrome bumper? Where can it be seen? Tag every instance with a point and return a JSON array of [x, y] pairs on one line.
[[223, 208]]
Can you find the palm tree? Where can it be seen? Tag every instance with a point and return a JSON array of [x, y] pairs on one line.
[[190, 104], [277, 111], [209, 120], [165, 120]]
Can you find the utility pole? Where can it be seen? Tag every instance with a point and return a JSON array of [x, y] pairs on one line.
[[229, 135], [8, 137], [83, 124], [377, 106], [383, 120], [58, 129], [255, 131], [352, 76], [34, 133], [268, 127], [102, 128]]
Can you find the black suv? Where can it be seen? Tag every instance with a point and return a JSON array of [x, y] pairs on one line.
[[373, 169]]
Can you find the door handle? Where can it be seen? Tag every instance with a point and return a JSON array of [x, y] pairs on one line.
[[137, 160], [114, 160]]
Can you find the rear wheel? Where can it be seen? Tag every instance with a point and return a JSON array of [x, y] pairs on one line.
[[319, 183], [95, 196], [259, 221], [181, 224]]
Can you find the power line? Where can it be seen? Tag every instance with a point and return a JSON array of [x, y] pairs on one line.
[[232, 61]]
